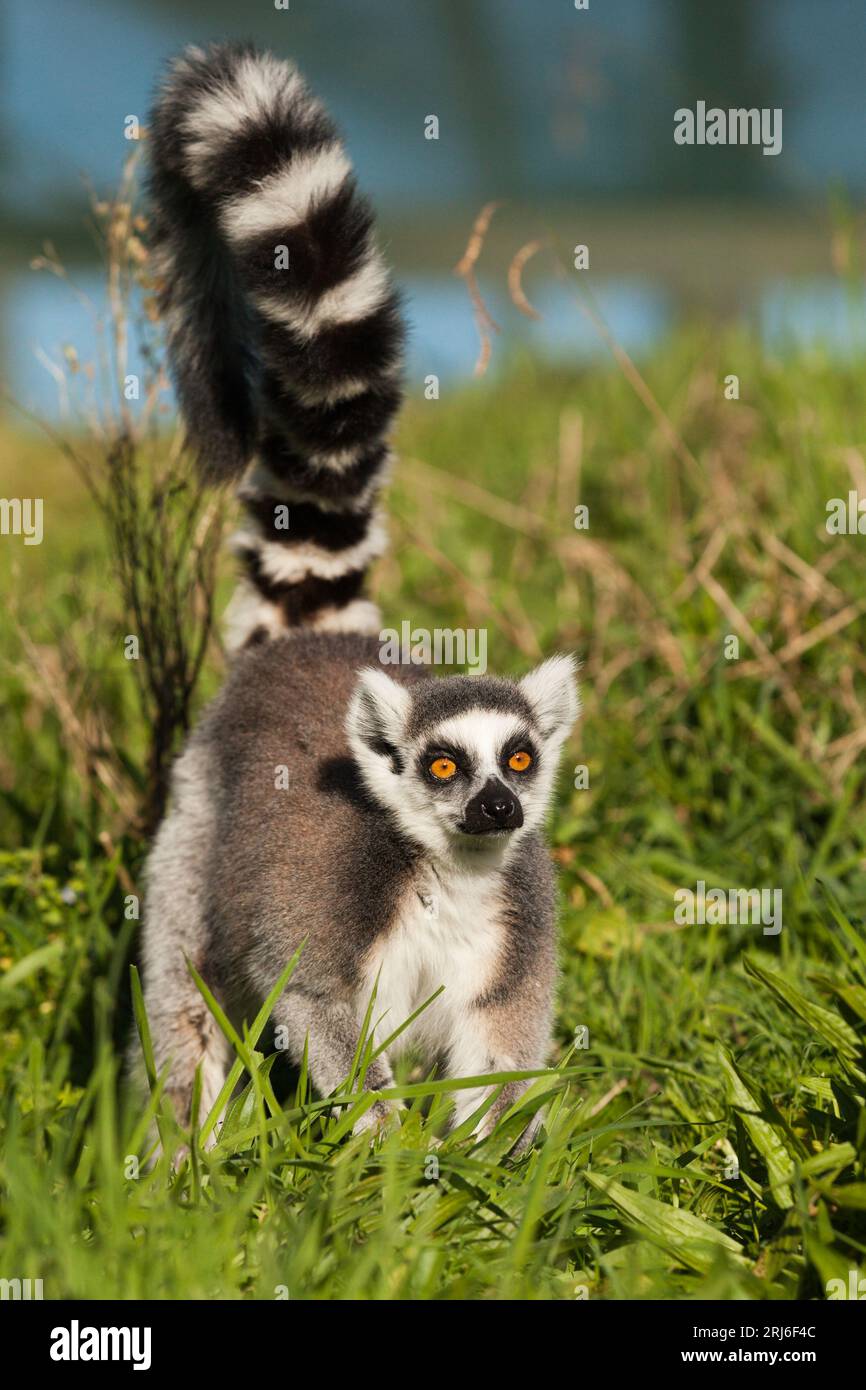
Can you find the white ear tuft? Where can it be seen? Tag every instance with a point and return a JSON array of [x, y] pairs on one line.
[[551, 690], [376, 718]]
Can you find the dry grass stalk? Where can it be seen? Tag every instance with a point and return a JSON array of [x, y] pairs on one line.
[[515, 280], [465, 268], [164, 537]]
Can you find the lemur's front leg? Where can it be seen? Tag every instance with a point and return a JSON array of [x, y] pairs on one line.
[[513, 1035], [332, 1030]]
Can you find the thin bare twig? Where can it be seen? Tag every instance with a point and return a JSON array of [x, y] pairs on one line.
[[515, 274], [465, 268]]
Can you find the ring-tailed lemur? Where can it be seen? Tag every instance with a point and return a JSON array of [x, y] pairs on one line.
[[406, 850]]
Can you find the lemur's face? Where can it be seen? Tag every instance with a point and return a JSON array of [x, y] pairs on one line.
[[464, 763]]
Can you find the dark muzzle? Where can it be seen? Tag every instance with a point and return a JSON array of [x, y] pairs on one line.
[[494, 808]]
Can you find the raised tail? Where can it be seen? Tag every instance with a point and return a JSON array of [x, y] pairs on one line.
[[284, 330]]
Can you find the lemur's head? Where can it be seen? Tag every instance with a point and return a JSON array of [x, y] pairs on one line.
[[465, 764]]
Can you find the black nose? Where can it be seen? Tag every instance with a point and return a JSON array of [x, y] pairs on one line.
[[499, 809], [493, 808]]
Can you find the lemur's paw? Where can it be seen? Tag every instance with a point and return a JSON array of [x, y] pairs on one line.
[[179, 1157], [528, 1137], [380, 1119], [525, 1139]]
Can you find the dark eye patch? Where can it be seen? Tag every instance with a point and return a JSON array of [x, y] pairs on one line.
[[439, 750], [521, 741]]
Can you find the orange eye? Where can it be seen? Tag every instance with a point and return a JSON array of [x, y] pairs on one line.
[[443, 768], [520, 761]]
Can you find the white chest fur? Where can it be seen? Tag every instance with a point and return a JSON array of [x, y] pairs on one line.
[[449, 933]]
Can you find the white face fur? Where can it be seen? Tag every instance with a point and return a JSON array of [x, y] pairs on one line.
[[467, 786]]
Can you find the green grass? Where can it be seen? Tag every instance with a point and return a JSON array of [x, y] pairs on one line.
[[703, 1043]]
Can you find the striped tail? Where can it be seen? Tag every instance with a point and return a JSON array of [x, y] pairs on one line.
[[284, 331]]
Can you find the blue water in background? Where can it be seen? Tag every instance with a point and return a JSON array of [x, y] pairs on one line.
[[44, 317], [579, 97]]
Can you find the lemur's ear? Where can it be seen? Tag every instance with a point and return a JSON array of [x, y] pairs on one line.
[[551, 690], [376, 719]]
